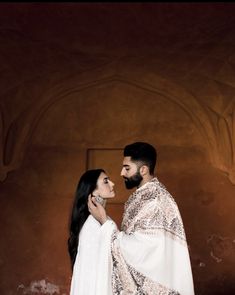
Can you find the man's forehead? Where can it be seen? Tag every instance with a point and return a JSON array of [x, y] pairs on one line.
[[127, 161]]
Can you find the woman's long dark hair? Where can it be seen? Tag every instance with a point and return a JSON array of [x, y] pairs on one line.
[[86, 185]]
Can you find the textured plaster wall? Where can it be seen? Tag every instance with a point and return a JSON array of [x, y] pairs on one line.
[[78, 83]]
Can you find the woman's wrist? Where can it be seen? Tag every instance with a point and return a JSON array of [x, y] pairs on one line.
[[103, 219]]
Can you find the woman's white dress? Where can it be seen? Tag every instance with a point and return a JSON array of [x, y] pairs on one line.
[[92, 267]]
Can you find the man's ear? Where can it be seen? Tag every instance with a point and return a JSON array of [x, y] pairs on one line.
[[144, 170]]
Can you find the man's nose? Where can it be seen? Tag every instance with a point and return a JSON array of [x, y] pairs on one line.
[[122, 172]]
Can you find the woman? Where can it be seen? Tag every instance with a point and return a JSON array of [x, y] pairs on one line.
[[88, 262]]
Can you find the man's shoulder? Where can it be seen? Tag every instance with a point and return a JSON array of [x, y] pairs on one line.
[[154, 186], [156, 191]]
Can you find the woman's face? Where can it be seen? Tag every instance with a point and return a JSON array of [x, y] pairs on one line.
[[104, 187]]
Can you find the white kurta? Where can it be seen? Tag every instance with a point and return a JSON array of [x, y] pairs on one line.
[[92, 267]]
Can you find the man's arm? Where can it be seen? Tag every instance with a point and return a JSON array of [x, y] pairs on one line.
[[97, 210]]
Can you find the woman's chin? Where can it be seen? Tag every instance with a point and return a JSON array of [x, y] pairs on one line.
[[111, 197]]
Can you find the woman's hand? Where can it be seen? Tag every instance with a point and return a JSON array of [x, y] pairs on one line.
[[96, 210]]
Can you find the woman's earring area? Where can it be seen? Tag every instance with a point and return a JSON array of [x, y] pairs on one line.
[[99, 199]]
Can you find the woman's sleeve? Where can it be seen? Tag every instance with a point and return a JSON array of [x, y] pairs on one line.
[[104, 265]]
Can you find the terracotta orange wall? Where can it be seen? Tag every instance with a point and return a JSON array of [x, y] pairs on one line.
[[72, 97]]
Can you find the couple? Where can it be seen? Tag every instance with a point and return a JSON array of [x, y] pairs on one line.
[[149, 256]]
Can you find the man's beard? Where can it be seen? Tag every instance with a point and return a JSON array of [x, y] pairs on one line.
[[133, 181]]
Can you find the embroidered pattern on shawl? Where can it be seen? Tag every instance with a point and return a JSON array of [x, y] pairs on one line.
[[127, 281], [149, 210]]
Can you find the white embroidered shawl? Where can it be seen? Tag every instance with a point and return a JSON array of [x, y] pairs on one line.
[[150, 255]]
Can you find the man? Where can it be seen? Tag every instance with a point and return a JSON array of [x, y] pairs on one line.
[[150, 254]]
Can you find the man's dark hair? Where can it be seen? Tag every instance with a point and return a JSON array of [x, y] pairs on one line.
[[142, 152]]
